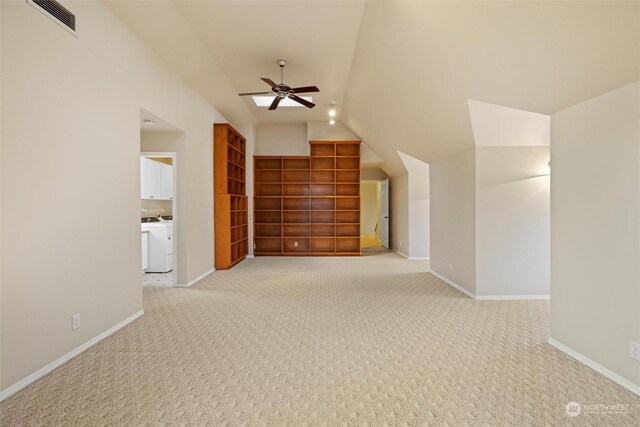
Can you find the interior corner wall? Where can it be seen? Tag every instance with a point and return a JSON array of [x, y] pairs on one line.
[[452, 199], [81, 170], [418, 199], [512, 221], [595, 229], [282, 140], [323, 131], [399, 215]]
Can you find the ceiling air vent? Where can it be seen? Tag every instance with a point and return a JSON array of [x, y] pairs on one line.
[[57, 12]]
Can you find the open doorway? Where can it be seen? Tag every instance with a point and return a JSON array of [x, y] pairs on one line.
[[374, 215], [158, 203], [157, 190]]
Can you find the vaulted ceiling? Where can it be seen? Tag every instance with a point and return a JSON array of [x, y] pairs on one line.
[[401, 72]]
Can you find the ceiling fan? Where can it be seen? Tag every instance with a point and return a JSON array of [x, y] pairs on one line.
[[283, 91]]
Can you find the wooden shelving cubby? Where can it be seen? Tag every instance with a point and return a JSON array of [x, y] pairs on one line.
[[231, 220], [308, 205]]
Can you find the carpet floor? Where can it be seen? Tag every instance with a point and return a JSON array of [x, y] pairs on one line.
[[323, 341]]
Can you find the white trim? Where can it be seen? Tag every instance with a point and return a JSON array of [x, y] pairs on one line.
[[402, 254], [197, 279], [250, 256], [511, 297], [12, 389], [419, 258], [596, 366], [453, 284]]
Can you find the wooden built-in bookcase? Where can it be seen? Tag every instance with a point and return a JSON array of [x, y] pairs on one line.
[[308, 205], [230, 200]]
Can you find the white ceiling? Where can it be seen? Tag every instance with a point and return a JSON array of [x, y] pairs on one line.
[[494, 126], [317, 38], [401, 72]]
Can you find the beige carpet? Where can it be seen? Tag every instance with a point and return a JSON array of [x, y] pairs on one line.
[[370, 340]]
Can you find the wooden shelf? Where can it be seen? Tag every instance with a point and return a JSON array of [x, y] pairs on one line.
[[308, 206], [231, 221]]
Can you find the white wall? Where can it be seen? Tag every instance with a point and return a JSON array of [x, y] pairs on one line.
[[512, 220], [373, 174], [399, 213], [72, 142], [323, 131], [418, 206], [368, 208], [379, 211], [282, 140], [595, 232], [453, 217]]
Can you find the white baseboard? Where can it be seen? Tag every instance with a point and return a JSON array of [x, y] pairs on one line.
[[635, 388], [511, 297], [411, 258], [453, 284], [402, 254], [250, 256], [197, 279], [12, 389]]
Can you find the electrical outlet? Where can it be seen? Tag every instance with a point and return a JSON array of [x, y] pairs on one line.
[[75, 321], [450, 267], [295, 244], [634, 350]]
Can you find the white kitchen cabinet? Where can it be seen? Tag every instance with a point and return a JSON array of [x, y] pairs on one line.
[[145, 250], [167, 181], [145, 179], [156, 180]]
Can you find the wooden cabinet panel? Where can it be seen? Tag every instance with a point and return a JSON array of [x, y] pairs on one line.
[[295, 175], [322, 189], [296, 163], [323, 244], [295, 244], [322, 176], [321, 149], [315, 207], [323, 230], [230, 202], [290, 230], [323, 204], [296, 204], [351, 203]]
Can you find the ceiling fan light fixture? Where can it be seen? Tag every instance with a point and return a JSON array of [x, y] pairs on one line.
[[332, 110]]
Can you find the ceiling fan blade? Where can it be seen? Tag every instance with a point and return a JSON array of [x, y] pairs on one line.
[[305, 89], [275, 103], [269, 82], [255, 93], [302, 101]]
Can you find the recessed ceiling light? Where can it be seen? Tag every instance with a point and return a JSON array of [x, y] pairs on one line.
[[265, 101], [149, 122], [332, 122], [332, 112]]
